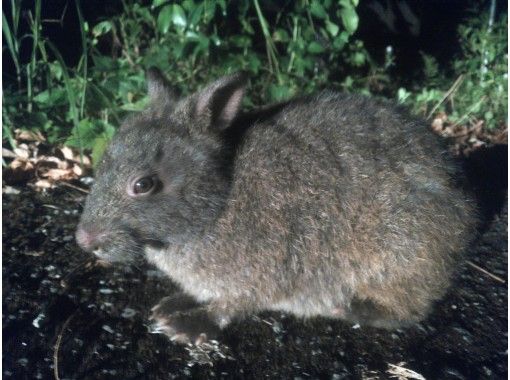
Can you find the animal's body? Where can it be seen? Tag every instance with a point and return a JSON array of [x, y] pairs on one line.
[[335, 205]]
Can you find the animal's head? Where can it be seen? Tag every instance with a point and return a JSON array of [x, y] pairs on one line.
[[163, 178]]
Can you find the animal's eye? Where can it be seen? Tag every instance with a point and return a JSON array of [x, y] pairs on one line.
[[143, 185]]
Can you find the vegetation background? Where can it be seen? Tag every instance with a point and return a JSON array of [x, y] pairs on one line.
[[73, 69]]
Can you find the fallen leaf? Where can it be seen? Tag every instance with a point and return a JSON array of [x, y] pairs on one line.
[[22, 164], [28, 136], [21, 152], [10, 190], [8, 153], [67, 153], [77, 170], [43, 184], [58, 174]]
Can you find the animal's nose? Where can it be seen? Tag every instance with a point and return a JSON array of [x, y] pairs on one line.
[[87, 238]]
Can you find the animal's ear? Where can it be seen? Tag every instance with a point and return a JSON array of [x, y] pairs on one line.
[[217, 105], [159, 90]]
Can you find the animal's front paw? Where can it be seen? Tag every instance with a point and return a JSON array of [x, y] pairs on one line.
[[175, 302], [187, 326]]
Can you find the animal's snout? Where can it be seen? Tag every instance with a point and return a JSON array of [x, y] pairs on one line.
[[88, 238]]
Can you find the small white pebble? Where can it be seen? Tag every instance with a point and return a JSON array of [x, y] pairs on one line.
[[10, 190], [36, 321], [128, 313], [87, 180]]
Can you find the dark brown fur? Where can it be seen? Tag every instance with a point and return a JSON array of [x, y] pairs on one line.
[[335, 205]]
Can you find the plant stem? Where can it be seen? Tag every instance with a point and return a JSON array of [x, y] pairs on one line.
[[70, 94], [448, 93], [270, 48], [485, 53], [84, 57]]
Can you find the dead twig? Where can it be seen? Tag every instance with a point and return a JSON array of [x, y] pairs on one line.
[[399, 372], [448, 93], [493, 276], [57, 346], [53, 207], [74, 187]]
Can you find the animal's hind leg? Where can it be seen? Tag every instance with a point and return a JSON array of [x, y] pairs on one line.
[[369, 312], [392, 306]]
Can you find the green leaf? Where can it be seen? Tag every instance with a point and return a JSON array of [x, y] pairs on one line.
[[332, 28], [195, 15], [98, 148], [51, 98], [247, 27], [347, 3], [402, 95], [203, 44], [139, 105], [178, 16], [348, 82], [241, 41], [278, 92], [55, 70], [82, 135], [102, 28], [315, 48], [164, 18], [214, 38], [349, 19], [191, 35], [171, 14], [317, 9], [100, 143], [157, 3], [254, 63], [280, 35], [341, 40], [358, 59]]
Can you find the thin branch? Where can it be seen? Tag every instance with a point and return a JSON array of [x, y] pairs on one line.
[[57, 347], [499, 279], [447, 94], [74, 187]]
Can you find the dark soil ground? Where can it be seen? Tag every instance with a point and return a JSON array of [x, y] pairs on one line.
[[65, 316]]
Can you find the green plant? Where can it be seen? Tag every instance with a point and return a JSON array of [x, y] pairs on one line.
[[302, 46], [479, 88]]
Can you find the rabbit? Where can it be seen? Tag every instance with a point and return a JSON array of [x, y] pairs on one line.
[[333, 205]]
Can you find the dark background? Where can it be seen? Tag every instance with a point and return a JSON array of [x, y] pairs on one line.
[[439, 20]]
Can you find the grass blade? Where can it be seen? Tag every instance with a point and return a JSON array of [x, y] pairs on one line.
[[84, 57], [70, 93], [12, 46]]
